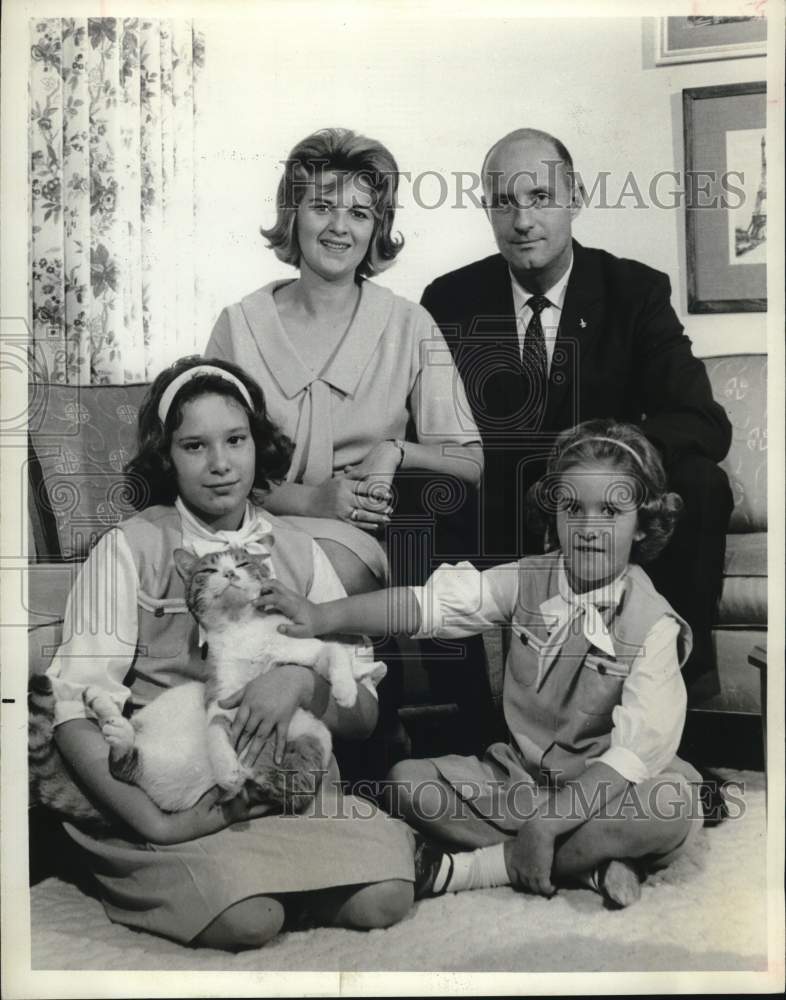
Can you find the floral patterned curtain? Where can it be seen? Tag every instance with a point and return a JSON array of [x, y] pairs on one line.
[[113, 195]]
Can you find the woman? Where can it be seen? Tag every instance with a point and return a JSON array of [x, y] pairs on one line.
[[345, 364]]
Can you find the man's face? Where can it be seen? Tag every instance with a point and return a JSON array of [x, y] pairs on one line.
[[529, 202]]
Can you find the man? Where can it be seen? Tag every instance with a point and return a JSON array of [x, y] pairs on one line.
[[548, 333]]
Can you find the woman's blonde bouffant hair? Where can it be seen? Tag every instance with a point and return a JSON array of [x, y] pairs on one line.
[[346, 152]]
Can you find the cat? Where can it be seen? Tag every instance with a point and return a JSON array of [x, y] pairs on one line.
[[175, 764]]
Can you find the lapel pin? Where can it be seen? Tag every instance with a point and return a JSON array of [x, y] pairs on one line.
[[583, 323]]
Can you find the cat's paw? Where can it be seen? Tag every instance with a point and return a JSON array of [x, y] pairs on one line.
[[99, 703], [118, 732], [345, 690], [231, 780]]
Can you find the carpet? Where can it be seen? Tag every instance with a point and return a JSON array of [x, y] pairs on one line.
[[705, 913]]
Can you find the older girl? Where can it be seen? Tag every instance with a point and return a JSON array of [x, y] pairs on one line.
[[207, 455], [587, 785]]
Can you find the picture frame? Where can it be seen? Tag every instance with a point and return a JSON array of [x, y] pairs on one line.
[[725, 197], [698, 39]]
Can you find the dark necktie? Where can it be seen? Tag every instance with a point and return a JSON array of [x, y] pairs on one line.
[[535, 364]]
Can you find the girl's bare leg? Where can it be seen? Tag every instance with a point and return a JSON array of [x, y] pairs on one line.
[[250, 923]]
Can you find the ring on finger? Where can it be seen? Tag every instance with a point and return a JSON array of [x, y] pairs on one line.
[[354, 515]]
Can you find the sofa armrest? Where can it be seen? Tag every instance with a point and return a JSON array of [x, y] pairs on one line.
[[42, 642]]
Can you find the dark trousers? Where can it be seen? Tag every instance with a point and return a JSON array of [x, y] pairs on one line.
[[689, 571], [435, 522]]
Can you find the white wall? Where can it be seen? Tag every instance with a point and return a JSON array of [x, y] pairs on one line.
[[438, 93]]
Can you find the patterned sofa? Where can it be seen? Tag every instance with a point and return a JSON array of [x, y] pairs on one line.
[[80, 438]]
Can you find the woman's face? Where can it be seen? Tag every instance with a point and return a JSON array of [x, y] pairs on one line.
[[214, 456], [335, 224]]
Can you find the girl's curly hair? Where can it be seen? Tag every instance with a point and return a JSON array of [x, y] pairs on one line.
[[150, 475], [628, 450]]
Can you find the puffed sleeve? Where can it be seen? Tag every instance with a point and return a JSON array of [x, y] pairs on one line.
[[327, 586], [220, 343], [438, 400], [100, 629], [460, 600], [648, 723]]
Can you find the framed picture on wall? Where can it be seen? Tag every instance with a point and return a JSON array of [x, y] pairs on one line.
[[696, 39], [726, 197]]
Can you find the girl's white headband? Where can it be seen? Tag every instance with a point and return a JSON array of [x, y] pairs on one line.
[[609, 440], [177, 383]]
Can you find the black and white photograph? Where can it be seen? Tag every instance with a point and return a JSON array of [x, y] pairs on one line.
[[386, 498]]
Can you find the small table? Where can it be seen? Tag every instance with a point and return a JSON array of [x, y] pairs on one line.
[[758, 658]]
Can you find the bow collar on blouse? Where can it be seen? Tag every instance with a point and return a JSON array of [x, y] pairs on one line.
[[314, 436], [595, 609], [254, 534]]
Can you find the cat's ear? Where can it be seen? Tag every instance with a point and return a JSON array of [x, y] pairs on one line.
[[184, 562], [267, 539]]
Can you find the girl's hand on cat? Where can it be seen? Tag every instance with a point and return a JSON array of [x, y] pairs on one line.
[[305, 616], [351, 498], [266, 706], [209, 815]]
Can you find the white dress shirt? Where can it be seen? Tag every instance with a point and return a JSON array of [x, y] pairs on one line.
[[647, 725], [100, 623], [549, 317]]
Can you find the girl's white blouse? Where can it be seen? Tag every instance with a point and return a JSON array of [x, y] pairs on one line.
[[460, 600], [100, 623]]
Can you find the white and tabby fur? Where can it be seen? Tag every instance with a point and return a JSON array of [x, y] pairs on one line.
[[178, 747]]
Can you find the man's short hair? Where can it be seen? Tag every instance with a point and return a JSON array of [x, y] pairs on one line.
[[559, 147]]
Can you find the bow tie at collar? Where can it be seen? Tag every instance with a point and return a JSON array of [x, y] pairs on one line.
[[254, 534], [561, 610]]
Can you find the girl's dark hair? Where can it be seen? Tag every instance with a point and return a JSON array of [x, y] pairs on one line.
[[150, 475], [628, 450], [346, 152]]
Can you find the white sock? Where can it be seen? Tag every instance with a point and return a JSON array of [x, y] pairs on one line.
[[480, 869]]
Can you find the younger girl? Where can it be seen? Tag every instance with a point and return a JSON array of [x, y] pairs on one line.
[[588, 785], [207, 451]]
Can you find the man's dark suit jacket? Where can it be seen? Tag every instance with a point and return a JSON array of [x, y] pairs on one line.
[[620, 352]]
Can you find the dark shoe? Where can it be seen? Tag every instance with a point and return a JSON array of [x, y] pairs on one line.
[[428, 860]]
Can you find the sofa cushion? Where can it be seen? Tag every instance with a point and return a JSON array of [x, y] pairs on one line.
[[81, 437], [740, 683], [744, 595], [743, 601], [739, 384], [746, 555]]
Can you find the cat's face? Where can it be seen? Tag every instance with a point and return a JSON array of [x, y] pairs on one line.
[[221, 585]]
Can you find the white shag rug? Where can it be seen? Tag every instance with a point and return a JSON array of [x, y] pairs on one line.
[[705, 913]]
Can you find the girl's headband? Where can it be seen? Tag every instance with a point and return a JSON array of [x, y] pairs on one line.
[[608, 440], [177, 383]]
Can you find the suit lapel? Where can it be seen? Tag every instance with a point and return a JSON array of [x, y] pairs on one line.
[[490, 363], [579, 331]]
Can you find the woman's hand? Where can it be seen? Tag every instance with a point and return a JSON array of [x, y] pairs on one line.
[[305, 616], [266, 706], [377, 470], [351, 499]]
